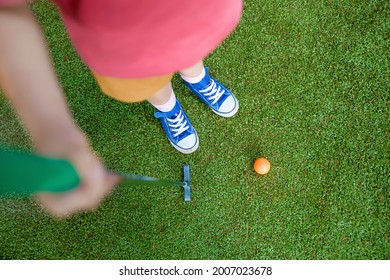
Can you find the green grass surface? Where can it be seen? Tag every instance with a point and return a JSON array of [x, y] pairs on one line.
[[312, 78]]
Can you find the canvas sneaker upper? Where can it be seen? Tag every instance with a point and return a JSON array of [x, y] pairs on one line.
[[179, 129], [215, 95]]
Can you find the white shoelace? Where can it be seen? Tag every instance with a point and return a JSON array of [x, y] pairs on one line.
[[213, 92], [178, 124]]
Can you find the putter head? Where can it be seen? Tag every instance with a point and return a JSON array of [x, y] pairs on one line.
[[187, 186]]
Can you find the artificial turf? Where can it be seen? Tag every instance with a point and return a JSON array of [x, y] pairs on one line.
[[312, 78]]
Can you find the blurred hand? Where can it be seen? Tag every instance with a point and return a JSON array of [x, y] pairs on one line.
[[96, 182]]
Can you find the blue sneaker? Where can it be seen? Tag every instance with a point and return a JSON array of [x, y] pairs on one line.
[[179, 129], [215, 95]]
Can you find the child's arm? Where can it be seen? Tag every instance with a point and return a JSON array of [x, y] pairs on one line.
[[27, 76], [29, 81]]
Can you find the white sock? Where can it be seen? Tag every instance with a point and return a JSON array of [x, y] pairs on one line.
[[194, 80], [167, 106]]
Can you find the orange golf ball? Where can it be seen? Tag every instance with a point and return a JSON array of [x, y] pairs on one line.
[[262, 166]]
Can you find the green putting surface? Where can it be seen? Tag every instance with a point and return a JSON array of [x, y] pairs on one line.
[[312, 78]]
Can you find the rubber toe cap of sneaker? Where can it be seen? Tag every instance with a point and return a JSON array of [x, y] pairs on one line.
[[229, 106], [188, 144]]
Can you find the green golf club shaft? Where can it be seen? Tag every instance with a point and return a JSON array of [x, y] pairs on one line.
[[132, 179]]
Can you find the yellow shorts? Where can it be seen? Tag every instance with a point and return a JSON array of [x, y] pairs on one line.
[[132, 90]]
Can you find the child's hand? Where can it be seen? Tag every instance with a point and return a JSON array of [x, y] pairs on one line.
[[96, 182], [29, 81]]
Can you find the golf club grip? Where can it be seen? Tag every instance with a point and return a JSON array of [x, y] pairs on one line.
[[23, 173]]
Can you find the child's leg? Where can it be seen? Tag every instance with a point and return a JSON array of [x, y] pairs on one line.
[[209, 90], [174, 120], [163, 99], [193, 71]]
